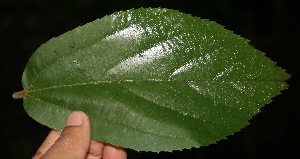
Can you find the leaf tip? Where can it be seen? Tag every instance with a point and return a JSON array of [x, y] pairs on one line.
[[20, 94]]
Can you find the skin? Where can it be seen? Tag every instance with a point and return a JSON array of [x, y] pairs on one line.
[[74, 142]]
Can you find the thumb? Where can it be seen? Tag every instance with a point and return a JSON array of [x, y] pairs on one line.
[[75, 139]]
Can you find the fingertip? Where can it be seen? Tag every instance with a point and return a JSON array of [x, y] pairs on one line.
[[96, 150], [75, 138], [112, 152], [75, 119]]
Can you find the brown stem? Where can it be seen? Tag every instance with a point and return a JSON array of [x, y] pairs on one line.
[[20, 94]]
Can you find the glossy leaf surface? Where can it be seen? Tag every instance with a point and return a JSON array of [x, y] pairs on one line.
[[151, 80]]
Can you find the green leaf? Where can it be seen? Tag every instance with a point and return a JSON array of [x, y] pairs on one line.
[[151, 80]]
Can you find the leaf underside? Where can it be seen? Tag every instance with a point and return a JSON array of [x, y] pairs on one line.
[[151, 80]]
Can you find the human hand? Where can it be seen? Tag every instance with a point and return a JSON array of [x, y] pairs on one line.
[[74, 142]]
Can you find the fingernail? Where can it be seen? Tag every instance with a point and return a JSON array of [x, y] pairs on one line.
[[75, 119]]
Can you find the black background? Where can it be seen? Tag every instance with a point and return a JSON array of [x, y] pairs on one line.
[[272, 26]]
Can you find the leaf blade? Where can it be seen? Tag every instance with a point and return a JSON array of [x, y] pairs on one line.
[[159, 83]]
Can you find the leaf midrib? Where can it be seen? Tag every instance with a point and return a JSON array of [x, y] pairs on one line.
[[149, 80]]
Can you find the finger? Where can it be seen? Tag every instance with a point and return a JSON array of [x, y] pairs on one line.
[[113, 152], [96, 150], [75, 139], [48, 142]]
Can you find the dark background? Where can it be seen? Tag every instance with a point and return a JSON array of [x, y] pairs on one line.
[[272, 27]]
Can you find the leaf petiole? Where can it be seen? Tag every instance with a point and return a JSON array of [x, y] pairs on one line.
[[20, 94]]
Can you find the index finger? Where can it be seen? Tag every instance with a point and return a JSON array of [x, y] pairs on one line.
[[48, 142]]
